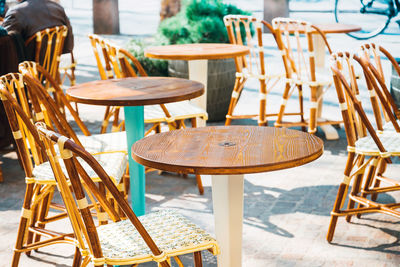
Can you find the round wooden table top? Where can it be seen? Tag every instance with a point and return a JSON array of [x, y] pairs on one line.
[[135, 91], [328, 28], [196, 51], [227, 149]]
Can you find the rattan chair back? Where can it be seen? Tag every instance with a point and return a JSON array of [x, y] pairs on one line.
[[49, 44]]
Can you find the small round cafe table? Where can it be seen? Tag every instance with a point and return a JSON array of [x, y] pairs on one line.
[[197, 56], [227, 153], [133, 93]]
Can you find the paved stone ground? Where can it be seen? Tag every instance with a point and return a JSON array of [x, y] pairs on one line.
[[286, 213]]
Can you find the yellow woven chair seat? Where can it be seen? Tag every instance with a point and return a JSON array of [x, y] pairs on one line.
[[178, 111], [113, 163], [390, 141], [107, 142], [173, 233]]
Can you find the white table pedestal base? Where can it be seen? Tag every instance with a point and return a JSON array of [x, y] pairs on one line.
[[198, 71], [227, 195]]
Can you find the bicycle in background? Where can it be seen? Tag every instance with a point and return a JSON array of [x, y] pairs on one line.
[[372, 15]]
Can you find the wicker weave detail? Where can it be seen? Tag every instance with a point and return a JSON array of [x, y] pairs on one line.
[[173, 234]]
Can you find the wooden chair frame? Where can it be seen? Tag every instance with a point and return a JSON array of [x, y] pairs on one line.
[[363, 167], [296, 66], [244, 65], [49, 57], [87, 239]]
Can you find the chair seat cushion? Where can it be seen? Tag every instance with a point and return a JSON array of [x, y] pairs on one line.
[[389, 126], [178, 111], [113, 163], [173, 234], [390, 141], [107, 142]]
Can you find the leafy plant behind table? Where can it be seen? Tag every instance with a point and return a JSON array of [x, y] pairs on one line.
[[199, 21]]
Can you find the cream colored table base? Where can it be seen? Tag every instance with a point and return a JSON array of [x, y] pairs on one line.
[[319, 46], [198, 71], [227, 195]]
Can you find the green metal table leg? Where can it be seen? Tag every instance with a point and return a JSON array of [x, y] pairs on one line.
[[134, 125]]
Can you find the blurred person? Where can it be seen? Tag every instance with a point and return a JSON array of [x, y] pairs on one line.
[[31, 16]]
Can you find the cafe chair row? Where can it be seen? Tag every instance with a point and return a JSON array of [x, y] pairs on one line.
[[295, 42], [373, 141]]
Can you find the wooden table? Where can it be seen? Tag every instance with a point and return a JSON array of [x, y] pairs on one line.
[[228, 152], [197, 56], [133, 94], [319, 48]]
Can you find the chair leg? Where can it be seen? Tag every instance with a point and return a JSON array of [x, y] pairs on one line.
[[336, 208], [282, 108], [43, 212], [312, 126], [381, 171], [23, 224], [262, 121], [234, 98], [340, 197], [197, 259], [301, 104]]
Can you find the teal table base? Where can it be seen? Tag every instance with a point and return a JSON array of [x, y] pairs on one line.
[[134, 125]]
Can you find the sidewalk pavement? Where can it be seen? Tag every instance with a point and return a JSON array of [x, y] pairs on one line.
[[286, 213]]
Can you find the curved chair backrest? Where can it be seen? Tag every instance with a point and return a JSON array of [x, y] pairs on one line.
[[74, 193], [372, 54], [247, 30], [49, 44], [20, 115], [60, 100], [289, 34], [355, 119]]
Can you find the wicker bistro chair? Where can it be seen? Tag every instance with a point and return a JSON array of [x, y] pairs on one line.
[[157, 236], [300, 67], [368, 150], [251, 66], [39, 176], [119, 63]]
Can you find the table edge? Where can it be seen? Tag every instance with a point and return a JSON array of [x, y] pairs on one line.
[[228, 170]]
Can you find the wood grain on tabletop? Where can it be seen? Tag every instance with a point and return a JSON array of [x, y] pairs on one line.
[[135, 91], [196, 51], [227, 149]]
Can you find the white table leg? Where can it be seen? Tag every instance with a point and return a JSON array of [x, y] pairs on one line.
[[319, 48], [198, 71], [227, 195]]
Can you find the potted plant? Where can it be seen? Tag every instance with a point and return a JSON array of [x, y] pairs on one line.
[[201, 21]]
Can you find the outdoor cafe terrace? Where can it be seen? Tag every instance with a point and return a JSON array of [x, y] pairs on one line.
[[286, 210]]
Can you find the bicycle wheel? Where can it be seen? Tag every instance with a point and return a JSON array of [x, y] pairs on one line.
[[372, 15]]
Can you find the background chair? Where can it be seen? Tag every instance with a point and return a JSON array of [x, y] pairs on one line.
[[252, 66], [295, 42], [368, 151], [155, 237]]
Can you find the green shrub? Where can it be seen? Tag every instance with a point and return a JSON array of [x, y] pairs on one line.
[[199, 21]]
